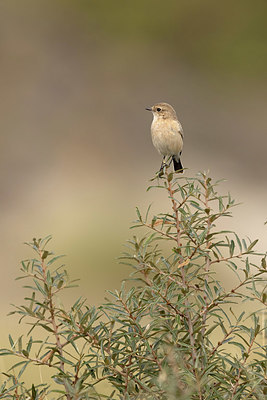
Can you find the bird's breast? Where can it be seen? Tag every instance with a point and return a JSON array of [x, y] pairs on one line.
[[166, 136]]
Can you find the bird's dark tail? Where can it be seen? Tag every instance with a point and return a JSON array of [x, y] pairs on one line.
[[177, 165]]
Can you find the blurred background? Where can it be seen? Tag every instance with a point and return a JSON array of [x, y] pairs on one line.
[[76, 153]]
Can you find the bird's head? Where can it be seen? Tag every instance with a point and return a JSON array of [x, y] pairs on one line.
[[162, 110]]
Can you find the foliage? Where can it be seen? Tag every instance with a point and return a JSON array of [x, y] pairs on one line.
[[176, 333]]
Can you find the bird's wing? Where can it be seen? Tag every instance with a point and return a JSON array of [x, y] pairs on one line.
[[181, 129], [176, 124]]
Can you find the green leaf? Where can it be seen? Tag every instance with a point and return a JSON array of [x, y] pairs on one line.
[[46, 327], [29, 345], [54, 259], [138, 214], [25, 353], [33, 392], [63, 359], [39, 287], [153, 221], [239, 242], [264, 297], [148, 209], [20, 344], [18, 364], [221, 207], [250, 247], [45, 254], [11, 341], [240, 345], [232, 248], [257, 329], [60, 284], [170, 177], [244, 244], [263, 263]]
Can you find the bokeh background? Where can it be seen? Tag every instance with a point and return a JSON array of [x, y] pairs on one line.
[[76, 153]]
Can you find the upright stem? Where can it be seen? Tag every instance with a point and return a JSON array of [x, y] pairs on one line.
[[176, 214], [53, 319], [207, 265], [182, 269]]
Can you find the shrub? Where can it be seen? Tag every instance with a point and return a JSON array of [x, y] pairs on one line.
[[174, 332]]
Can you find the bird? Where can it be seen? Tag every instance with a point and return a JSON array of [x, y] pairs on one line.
[[167, 134]]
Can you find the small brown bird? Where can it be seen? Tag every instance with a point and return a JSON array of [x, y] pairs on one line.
[[167, 134]]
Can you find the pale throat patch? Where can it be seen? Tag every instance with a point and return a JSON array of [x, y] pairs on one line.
[[156, 117]]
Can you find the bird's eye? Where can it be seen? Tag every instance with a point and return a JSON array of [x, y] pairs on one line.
[[158, 109]]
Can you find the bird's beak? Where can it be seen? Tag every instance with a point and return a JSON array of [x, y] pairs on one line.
[[148, 108]]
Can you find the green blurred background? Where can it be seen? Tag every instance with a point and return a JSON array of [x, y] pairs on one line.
[[76, 154]]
